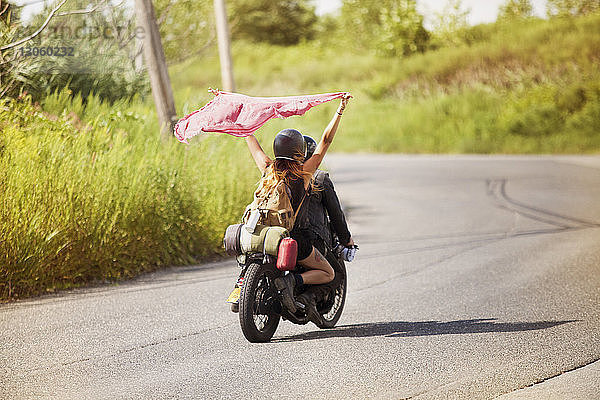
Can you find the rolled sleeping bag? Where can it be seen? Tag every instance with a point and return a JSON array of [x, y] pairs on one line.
[[265, 239], [231, 240]]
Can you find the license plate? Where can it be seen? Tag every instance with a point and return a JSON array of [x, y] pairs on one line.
[[234, 297]]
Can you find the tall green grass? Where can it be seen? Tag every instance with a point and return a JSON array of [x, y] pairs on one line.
[[95, 195]]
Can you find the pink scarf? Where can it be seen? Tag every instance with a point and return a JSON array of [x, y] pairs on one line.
[[240, 115]]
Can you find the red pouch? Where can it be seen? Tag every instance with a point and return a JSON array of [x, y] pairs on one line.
[[286, 256]]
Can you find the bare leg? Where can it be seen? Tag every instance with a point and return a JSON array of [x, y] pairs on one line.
[[319, 269]]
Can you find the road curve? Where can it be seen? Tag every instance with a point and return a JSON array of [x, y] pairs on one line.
[[477, 276]]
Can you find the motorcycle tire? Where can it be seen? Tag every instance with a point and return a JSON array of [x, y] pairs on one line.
[[256, 291], [331, 318]]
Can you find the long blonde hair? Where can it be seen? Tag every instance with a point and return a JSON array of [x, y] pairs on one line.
[[283, 170]]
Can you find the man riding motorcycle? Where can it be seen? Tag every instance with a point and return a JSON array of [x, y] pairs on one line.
[[324, 212]]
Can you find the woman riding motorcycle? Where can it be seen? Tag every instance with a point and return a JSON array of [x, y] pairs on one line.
[[289, 148]]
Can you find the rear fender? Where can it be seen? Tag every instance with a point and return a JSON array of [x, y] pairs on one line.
[[267, 261]]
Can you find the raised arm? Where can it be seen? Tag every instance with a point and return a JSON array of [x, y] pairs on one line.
[[260, 158], [313, 163]]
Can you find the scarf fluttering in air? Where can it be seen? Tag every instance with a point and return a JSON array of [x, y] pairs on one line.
[[240, 115]]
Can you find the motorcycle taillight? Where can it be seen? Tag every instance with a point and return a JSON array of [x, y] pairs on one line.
[[286, 256]]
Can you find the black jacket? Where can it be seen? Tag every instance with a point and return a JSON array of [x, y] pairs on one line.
[[323, 202]]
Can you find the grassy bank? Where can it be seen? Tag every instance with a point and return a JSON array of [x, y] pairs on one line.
[[96, 196], [531, 87], [88, 191]]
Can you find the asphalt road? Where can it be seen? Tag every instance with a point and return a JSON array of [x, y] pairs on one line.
[[477, 276]]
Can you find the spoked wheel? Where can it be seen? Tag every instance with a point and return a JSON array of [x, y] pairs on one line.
[[335, 312], [258, 318]]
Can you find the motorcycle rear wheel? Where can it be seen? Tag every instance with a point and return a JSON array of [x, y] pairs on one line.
[[257, 318]]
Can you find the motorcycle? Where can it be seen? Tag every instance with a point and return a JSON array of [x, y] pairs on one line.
[[260, 305]]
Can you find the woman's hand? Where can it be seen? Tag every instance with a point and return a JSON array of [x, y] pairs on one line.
[[343, 103]]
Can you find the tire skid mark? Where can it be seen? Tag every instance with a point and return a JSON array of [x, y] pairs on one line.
[[496, 190], [392, 251], [375, 239], [420, 269]]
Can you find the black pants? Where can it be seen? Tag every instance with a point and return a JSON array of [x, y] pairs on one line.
[[305, 239]]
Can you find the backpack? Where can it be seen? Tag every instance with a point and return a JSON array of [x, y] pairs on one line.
[[271, 208]]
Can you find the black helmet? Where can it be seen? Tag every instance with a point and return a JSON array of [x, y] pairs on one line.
[[311, 146], [289, 145]]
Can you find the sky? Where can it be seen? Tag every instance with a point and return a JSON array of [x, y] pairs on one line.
[[481, 10]]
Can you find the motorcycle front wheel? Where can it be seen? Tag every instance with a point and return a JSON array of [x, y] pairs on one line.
[[257, 316], [334, 312]]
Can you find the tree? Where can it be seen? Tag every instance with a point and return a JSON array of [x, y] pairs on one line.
[[563, 8], [391, 27], [187, 27], [451, 23], [156, 65], [8, 10], [80, 43], [282, 22], [99, 38], [515, 9], [12, 76], [224, 39]]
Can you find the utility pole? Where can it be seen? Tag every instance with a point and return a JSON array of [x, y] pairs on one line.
[[156, 65], [224, 46]]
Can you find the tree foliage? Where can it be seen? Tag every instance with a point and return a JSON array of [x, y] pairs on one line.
[[187, 27], [572, 7], [281, 22], [391, 27], [451, 23], [91, 52], [11, 77], [8, 10], [515, 9]]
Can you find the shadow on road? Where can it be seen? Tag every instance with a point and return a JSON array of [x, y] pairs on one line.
[[428, 328]]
